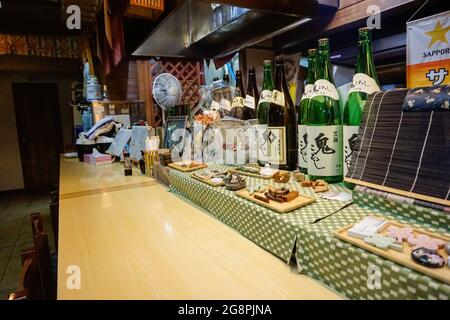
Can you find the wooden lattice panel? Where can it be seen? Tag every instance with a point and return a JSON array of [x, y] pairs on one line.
[[190, 75]]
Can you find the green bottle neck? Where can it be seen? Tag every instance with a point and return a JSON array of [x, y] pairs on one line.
[[311, 77], [267, 82], [364, 63], [327, 71]]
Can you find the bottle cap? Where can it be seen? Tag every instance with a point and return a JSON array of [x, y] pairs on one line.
[[267, 62], [312, 51]]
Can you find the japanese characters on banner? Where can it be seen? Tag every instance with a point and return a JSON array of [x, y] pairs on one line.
[[428, 51]]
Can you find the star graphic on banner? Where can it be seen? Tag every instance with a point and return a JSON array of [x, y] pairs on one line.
[[438, 34]]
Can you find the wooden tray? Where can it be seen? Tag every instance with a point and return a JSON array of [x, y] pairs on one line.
[[403, 258], [253, 174], [207, 181], [177, 165], [284, 207]]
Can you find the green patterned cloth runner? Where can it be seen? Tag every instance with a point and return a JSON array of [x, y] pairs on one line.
[[271, 230], [352, 271]]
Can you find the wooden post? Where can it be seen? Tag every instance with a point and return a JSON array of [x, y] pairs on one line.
[[145, 89]]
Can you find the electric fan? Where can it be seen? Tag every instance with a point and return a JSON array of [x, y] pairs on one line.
[[166, 92]]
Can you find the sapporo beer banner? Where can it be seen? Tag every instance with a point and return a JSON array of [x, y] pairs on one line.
[[428, 51]]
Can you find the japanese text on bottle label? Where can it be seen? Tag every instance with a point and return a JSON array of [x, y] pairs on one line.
[[325, 150], [350, 145], [276, 137], [308, 91], [324, 87], [363, 83], [302, 146]]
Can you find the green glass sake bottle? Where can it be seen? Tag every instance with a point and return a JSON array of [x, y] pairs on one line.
[[282, 123], [311, 77], [262, 113], [364, 83], [324, 124]]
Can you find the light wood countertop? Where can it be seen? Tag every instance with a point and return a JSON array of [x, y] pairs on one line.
[[146, 243], [79, 178]]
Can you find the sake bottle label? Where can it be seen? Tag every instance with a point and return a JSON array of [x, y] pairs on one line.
[[249, 102], [215, 105], [350, 145], [266, 95], [325, 150], [363, 83], [238, 102], [262, 142], [225, 104], [302, 146], [278, 98], [308, 91], [324, 87], [276, 137]]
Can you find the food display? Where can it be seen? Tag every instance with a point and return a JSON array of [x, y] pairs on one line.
[[187, 166], [428, 258], [234, 182], [214, 178], [282, 177], [281, 199], [254, 170], [318, 185], [414, 248]]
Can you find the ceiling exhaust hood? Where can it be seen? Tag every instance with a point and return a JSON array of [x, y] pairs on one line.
[[199, 29]]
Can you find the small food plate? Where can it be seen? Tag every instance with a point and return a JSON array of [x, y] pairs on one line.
[[207, 180], [283, 207], [404, 257], [187, 166]]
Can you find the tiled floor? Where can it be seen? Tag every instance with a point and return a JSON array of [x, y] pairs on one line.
[[15, 233]]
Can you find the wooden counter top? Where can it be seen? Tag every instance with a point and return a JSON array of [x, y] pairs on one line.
[[146, 243], [79, 178]]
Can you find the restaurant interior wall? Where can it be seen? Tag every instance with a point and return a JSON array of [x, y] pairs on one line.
[[29, 70]]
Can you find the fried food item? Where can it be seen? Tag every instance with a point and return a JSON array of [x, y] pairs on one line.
[[299, 176], [282, 177], [290, 196], [261, 198], [321, 188], [306, 183]]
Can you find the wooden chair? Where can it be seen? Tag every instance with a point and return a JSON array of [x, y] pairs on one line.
[[37, 280], [29, 287], [43, 258]]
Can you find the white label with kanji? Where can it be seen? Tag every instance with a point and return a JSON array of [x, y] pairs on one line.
[[302, 146], [325, 157], [324, 87], [278, 98], [350, 145], [308, 91], [363, 83], [276, 136], [265, 96], [249, 102]]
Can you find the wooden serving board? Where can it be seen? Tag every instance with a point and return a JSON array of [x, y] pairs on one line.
[[177, 165], [404, 258], [284, 207], [208, 181], [253, 174]]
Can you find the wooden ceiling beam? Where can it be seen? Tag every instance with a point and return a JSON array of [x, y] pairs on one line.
[[304, 8]]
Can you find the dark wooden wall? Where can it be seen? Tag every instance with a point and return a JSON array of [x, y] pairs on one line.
[[123, 81]]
